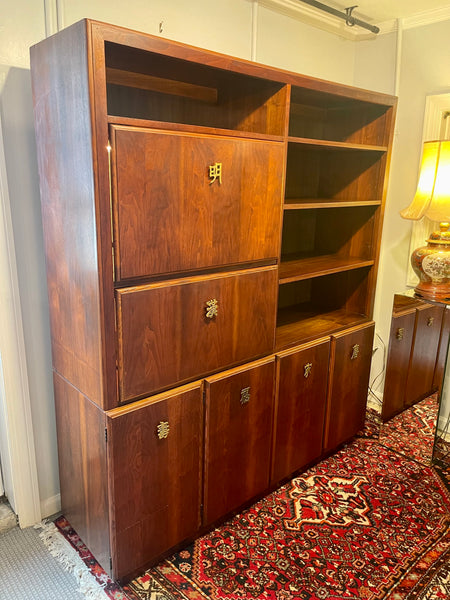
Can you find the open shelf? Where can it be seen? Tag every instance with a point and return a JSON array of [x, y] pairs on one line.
[[148, 85], [335, 145], [303, 203], [318, 306], [295, 269], [325, 116], [299, 325]]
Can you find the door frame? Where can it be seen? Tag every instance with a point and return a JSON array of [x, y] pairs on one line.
[[17, 452]]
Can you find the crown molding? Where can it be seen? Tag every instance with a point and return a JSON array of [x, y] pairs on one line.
[[316, 18], [427, 17]]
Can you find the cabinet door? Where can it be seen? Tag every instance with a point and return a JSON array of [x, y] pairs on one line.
[[424, 353], [442, 352], [172, 332], [351, 355], [154, 457], [397, 364], [185, 201], [239, 415], [302, 377]]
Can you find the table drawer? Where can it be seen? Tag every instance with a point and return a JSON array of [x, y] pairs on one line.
[[176, 214], [180, 330]]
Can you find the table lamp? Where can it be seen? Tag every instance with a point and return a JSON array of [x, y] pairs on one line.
[[431, 263]]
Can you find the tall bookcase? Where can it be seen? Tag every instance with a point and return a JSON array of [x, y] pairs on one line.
[[212, 231]]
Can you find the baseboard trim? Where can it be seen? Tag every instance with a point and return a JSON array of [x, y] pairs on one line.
[[51, 506]]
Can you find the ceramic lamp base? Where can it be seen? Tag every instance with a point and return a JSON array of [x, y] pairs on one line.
[[431, 263]]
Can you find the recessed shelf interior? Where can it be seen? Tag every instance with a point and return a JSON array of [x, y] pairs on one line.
[[147, 85], [335, 174], [314, 307], [313, 236], [325, 116]]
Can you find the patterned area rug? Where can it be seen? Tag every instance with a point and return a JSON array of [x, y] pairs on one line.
[[412, 431], [365, 523]]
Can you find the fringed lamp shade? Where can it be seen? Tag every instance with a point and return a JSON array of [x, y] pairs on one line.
[[431, 263]]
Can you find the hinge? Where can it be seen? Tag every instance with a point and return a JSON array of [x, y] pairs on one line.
[[106, 434], [110, 564]]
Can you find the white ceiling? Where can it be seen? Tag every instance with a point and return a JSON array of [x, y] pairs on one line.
[[379, 11]]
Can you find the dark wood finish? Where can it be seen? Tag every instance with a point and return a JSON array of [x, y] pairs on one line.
[[300, 408], [397, 363], [60, 80], [83, 468], [441, 359], [424, 352], [349, 380], [238, 429], [165, 337], [114, 344], [156, 484], [296, 269], [163, 193]]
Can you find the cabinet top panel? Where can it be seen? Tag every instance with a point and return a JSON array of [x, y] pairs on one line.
[[208, 64]]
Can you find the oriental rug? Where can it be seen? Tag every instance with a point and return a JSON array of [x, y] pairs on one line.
[[367, 523]]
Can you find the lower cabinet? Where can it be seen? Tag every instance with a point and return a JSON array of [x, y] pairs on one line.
[[154, 454], [302, 376], [417, 353], [239, 414], [351, 356]]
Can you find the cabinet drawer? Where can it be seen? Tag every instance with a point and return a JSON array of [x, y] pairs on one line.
[[351, 356], [302, 377], [154, 457], [239, 413], [170, 215], [184, 329]]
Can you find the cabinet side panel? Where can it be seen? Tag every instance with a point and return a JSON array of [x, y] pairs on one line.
[[59, 69], [83, 468]]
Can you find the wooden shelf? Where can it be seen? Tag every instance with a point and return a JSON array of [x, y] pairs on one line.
[[296, 269], [305, 203], [303, 323], [185, 127], [336, 145]]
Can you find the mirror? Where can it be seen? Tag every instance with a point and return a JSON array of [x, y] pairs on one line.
[[415, 365]]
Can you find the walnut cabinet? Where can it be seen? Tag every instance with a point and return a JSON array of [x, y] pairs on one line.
[[212, 234]]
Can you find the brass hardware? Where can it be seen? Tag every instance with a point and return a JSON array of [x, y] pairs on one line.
[[307, 369], [212, 308], [245, 395], [215, 173], [355, 352], [162, 430], [400, 333], [430, 321]]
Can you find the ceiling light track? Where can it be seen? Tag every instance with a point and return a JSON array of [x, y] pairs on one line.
[[347, 16]]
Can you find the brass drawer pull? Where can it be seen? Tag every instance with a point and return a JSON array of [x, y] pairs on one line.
[[307, 370], [212, 308], [400, 333], [355, 352], [430, 321], [245, 395], [162, 430]]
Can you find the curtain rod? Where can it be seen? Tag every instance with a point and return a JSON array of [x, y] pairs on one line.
[[347, 15]]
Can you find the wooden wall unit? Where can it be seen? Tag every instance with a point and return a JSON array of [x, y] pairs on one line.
[[200, 213]]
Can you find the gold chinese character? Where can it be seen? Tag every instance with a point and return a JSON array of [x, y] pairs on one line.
[[163, 429], [355, 352], [215, 172], [212, 308], [245, 395], [307, 369]]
